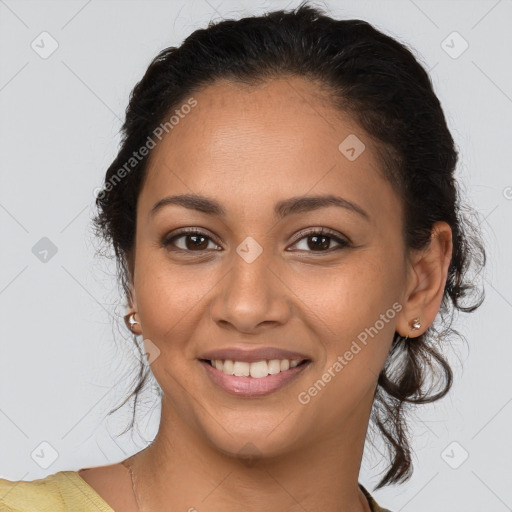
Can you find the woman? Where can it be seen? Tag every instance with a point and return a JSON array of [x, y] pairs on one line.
[[287, 229]]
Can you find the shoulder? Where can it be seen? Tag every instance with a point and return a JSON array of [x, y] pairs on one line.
[[59, 492], [373, 504], [22, 496]]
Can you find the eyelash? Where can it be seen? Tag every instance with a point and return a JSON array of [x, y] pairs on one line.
[[168, 241]]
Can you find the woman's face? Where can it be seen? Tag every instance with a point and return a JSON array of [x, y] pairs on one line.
[[258, 276]]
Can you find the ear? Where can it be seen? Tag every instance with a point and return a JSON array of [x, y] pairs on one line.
[[130, 266], [132, 295], [132, 302], [426, 281]]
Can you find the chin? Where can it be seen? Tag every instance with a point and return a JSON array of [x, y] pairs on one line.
[[251, 440]]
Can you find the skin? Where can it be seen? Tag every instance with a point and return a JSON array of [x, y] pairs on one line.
[[248, 148]]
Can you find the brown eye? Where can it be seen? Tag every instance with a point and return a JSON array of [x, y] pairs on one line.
[[192, 240], [196, 242], [189, 241], [320, 241]]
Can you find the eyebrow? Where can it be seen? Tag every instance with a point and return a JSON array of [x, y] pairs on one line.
[[291, 206]]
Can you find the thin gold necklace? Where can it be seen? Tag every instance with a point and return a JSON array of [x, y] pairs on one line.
[[132, 478], [139, 508]]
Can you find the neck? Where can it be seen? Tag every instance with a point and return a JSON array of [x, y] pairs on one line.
[[180, 470]]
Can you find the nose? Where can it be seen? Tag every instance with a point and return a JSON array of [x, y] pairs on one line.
[[252, 296]]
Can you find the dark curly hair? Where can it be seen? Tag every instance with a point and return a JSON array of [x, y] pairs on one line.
[[375, 79]]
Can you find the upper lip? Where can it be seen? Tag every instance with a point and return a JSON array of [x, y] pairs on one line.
[[252, 355]]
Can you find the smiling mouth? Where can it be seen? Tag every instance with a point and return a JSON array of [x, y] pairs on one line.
[[257, 369]]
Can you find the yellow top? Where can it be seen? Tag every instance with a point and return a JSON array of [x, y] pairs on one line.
[[67, 491], [61, 492]]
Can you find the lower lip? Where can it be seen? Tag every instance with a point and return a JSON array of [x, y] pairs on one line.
[[249, 386]]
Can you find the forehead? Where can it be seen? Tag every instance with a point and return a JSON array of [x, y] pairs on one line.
[[278, 139]]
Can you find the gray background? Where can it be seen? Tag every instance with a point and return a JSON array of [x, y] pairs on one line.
[[64, 363]]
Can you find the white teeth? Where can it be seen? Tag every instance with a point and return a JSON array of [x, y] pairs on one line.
[[259, 369], [240, 369], [228, 367], [256, 370], [274, 366]]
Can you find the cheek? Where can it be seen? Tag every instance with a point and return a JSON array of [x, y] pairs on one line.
[[354, 309], [169, 297], [356, 313], [350, 295]]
